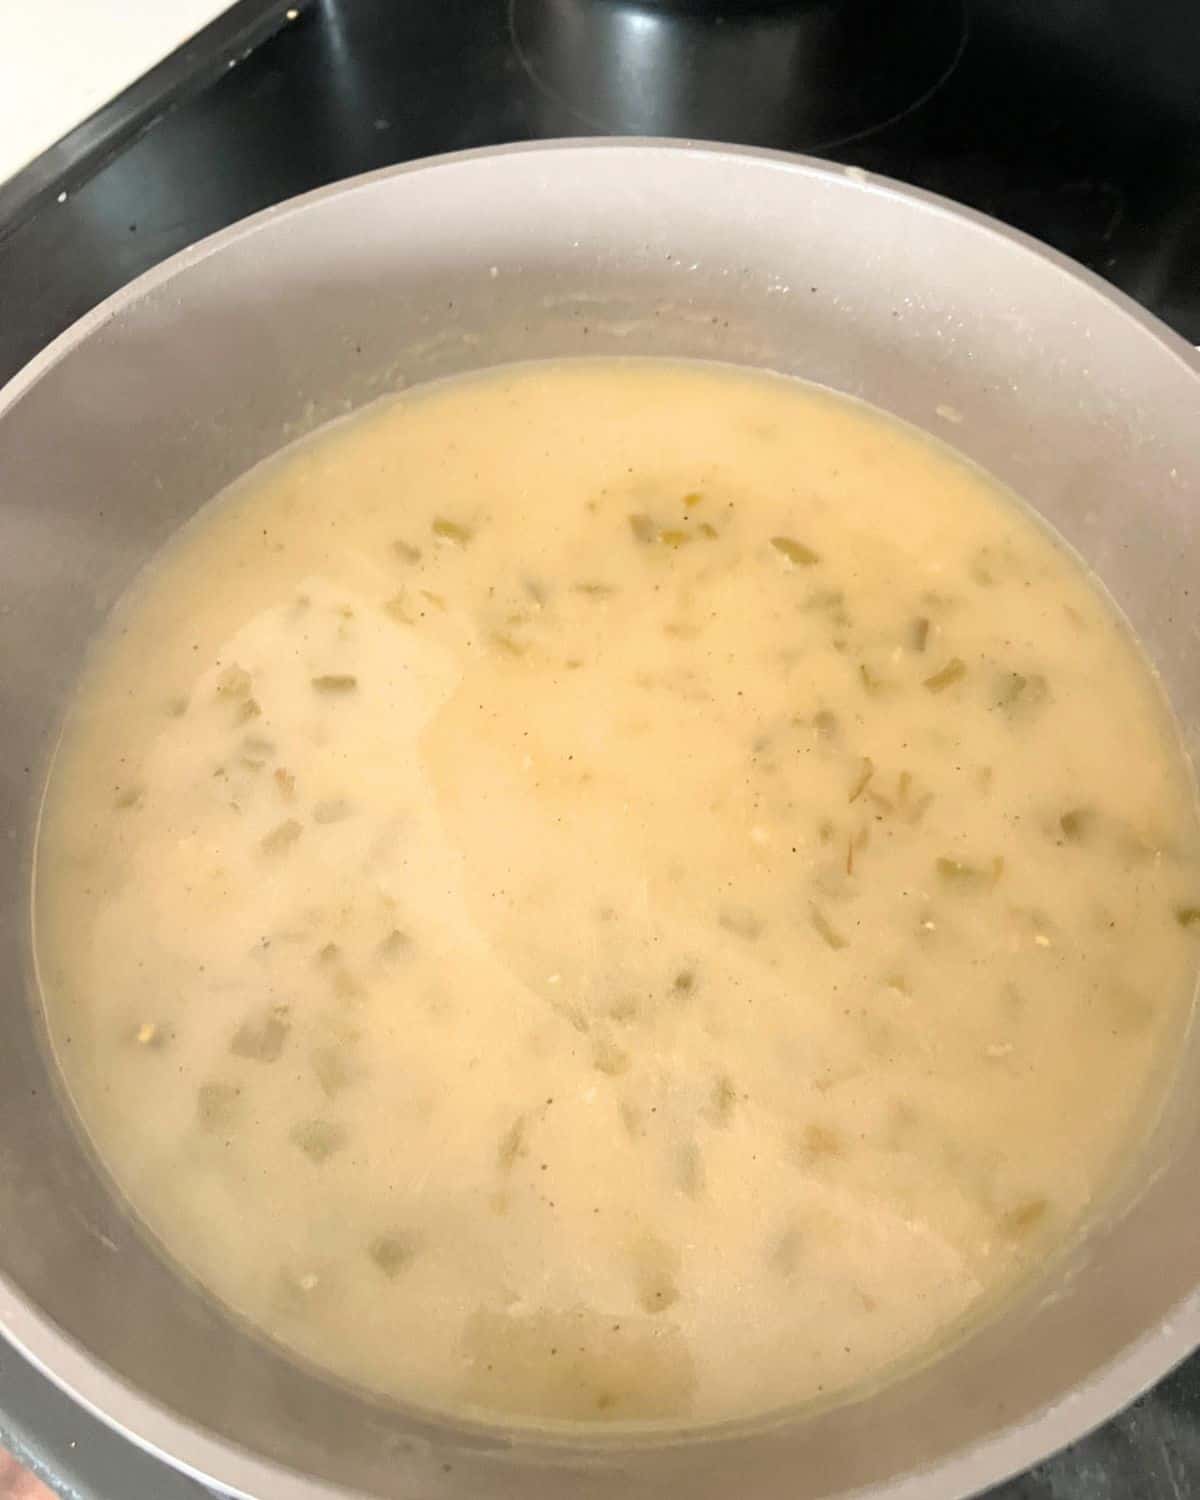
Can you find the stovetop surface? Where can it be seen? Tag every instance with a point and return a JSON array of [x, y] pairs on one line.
[[1075, 120]]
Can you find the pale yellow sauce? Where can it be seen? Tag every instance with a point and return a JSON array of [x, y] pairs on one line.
[[616, 890]]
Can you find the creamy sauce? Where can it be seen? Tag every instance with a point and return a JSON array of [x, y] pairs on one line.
[[616, 890]]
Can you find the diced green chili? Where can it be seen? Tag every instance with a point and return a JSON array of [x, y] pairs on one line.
[[512, 1144], [643, 528], [741, 921], [396, 943], [689, 1169], [956, 872], [262, 1040], [234, 682], [862, 779], [1026, 1216], [722, 1099], [392, 1253], [1077, 824], [451, 531], [319, 1139], [954, 671], [217, 1105], [333, 1069], [832, 937], [797, 553], [872, 683], [282, 837]]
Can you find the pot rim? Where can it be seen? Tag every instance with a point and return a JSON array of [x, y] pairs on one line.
[[211, 1459]]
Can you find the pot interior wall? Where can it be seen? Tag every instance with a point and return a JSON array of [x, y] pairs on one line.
[[207, 367]]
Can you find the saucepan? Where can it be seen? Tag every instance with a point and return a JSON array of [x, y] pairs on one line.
[[111, 439]]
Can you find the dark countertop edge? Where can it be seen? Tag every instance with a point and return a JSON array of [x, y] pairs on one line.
[[227, 40]]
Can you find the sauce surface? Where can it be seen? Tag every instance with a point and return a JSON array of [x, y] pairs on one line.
[[616, 890]]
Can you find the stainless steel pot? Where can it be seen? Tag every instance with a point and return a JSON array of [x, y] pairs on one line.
[[140, 413]]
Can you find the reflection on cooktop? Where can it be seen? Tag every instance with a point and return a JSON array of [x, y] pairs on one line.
[[806, 76]]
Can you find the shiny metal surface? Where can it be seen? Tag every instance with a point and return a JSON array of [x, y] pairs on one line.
[[808, 76], [140, 413]]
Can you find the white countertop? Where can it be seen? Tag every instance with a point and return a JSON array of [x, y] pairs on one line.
[[62, 59]]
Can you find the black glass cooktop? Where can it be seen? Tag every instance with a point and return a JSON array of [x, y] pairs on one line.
[[1076, 120]]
